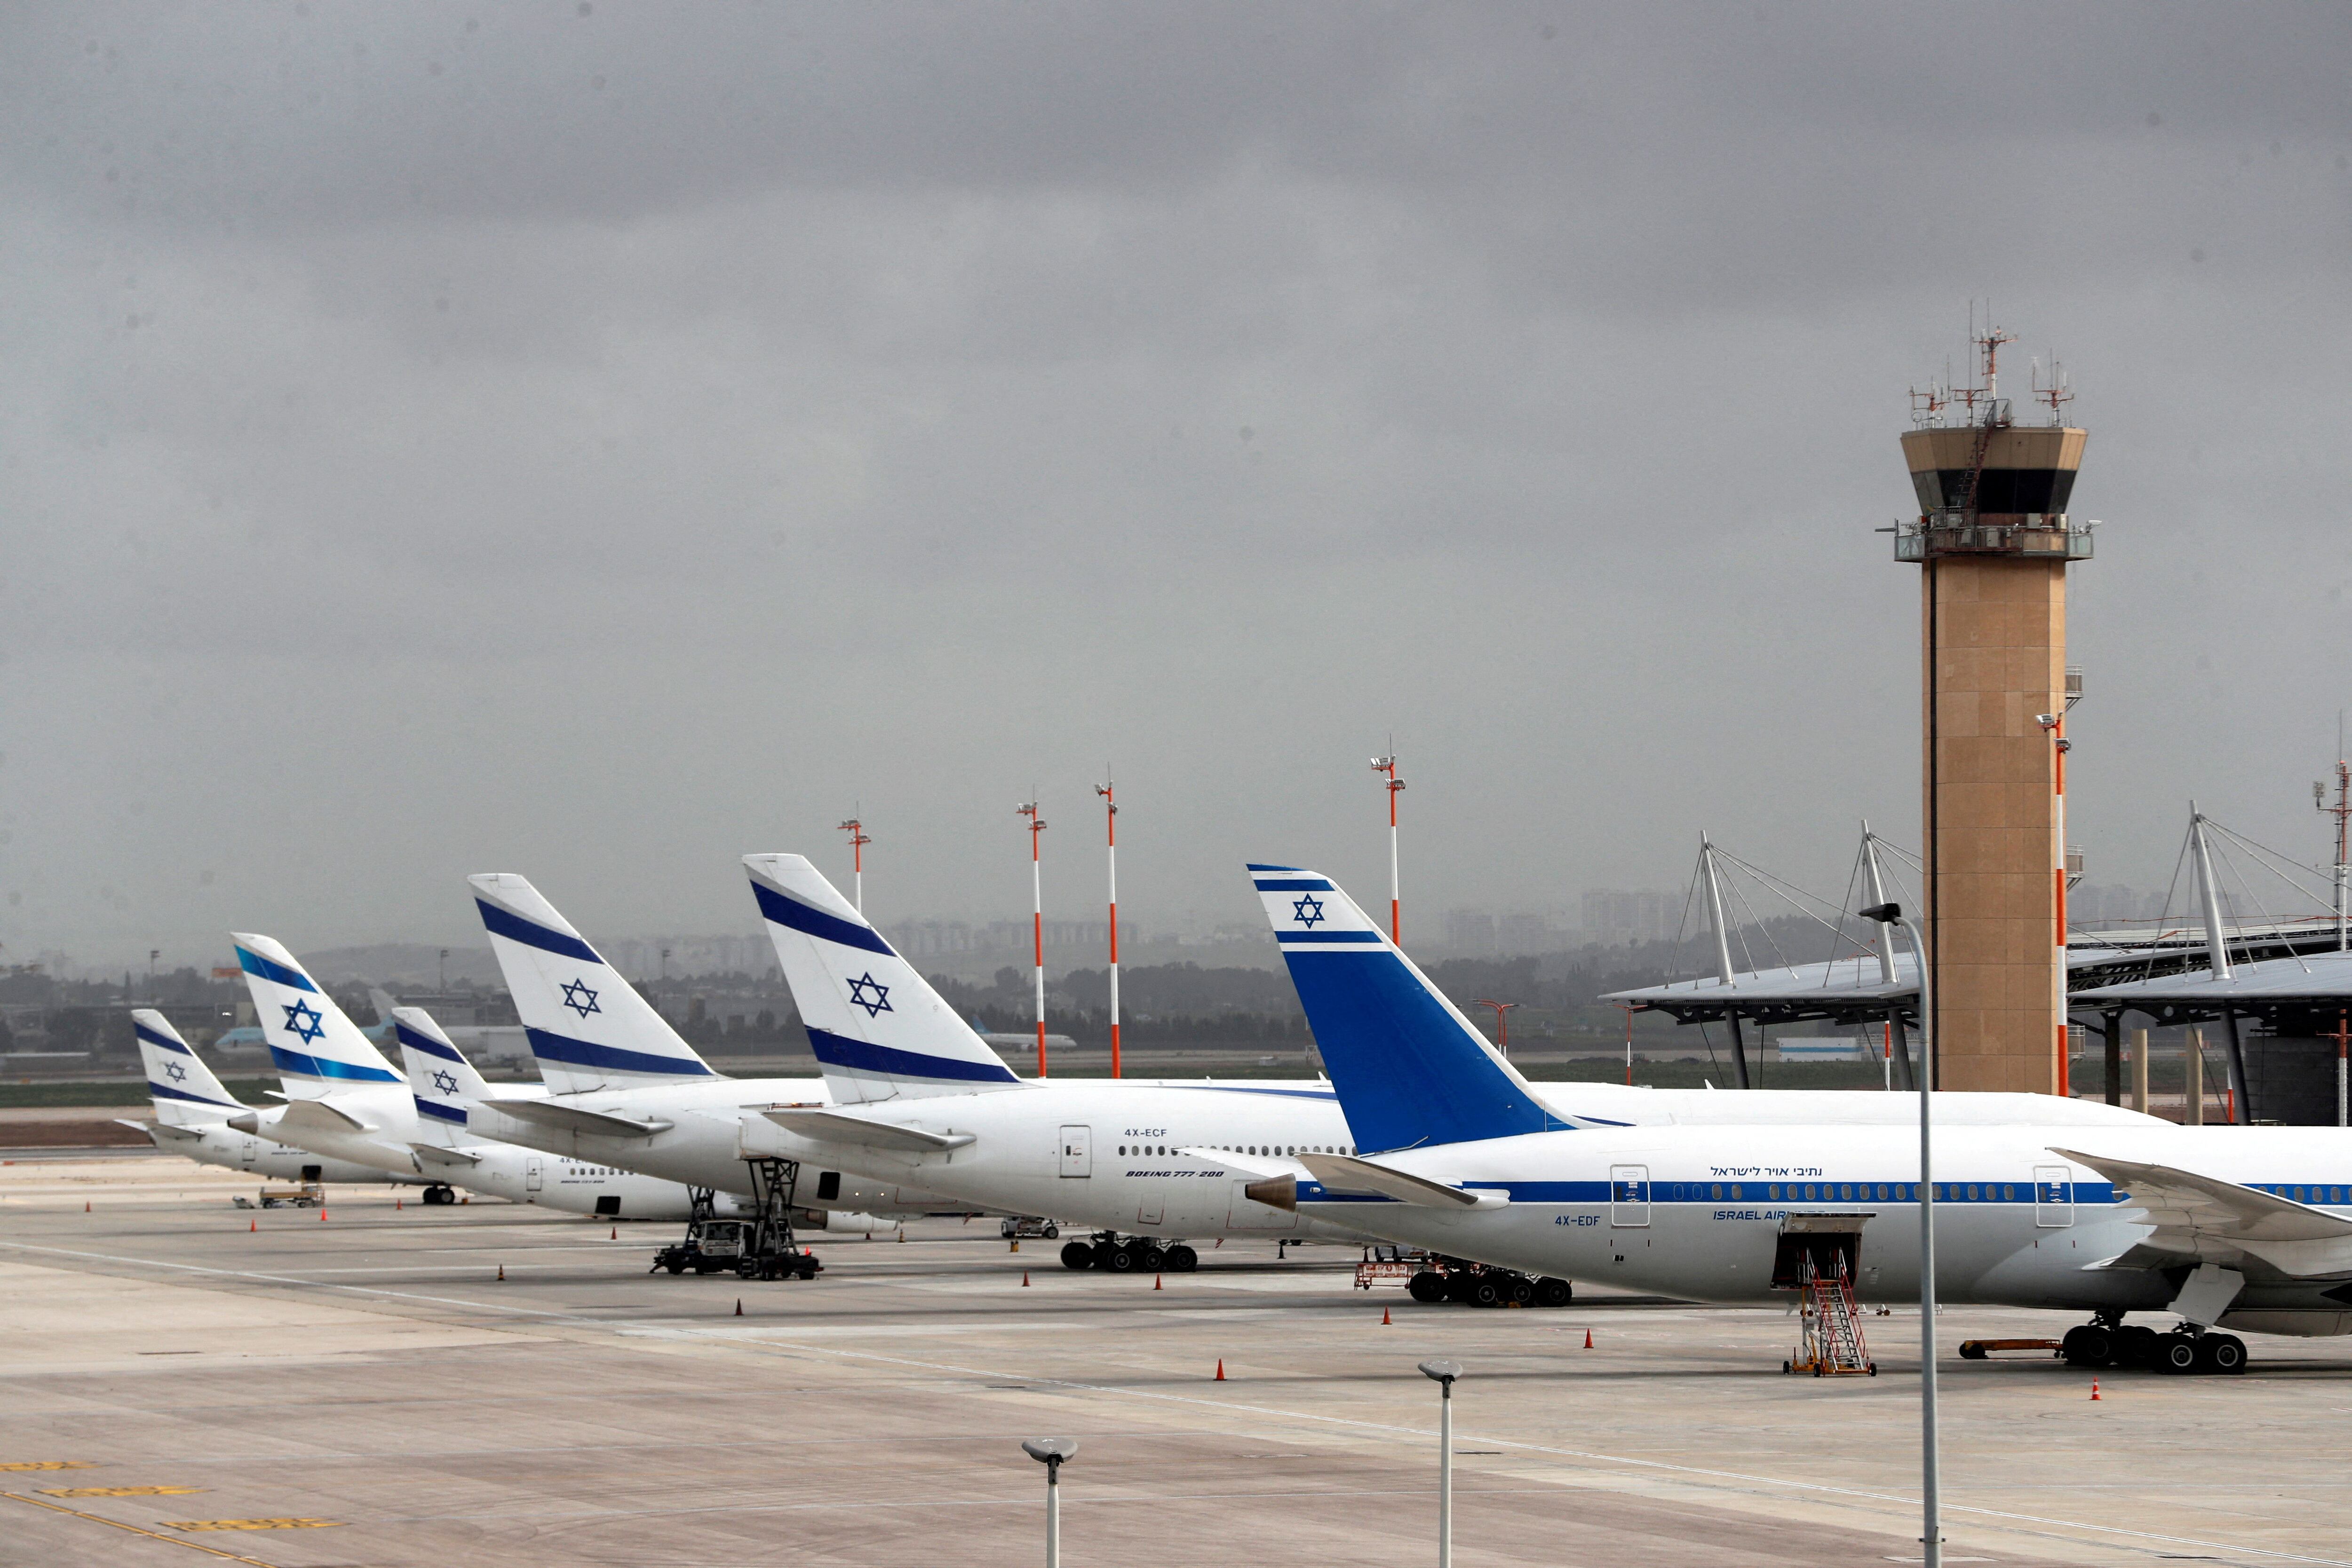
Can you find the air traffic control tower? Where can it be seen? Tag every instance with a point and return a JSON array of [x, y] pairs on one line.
[[1993, 542]]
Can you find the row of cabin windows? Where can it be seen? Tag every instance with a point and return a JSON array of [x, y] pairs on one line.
[[1260, 1149], [1842, 1191], [2334, 1194], [591, 1171]]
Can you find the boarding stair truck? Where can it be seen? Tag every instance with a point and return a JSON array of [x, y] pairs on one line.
[[758, 1246], [1818, 1256]]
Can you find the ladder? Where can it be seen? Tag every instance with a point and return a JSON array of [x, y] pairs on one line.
[[1832, 1339]]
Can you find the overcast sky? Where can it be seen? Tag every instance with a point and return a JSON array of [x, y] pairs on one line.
[[596, 441]]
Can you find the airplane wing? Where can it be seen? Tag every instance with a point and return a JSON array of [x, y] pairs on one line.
[[164, 1129], [317, 1115], [573, 1119], [1346, 1174], [434, 1154], [824, 1126], [2197, 1215]]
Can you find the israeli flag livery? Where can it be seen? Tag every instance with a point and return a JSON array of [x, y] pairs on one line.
[[878, 1029], [314, 1046], [587, 1026], [185, 1091], [443, 1081], [1409, 1068]]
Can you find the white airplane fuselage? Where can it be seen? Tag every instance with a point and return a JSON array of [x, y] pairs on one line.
[[218, 1143], [1697, 1213], [702, 1147]]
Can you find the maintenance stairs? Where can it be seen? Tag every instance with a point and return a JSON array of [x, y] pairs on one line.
[[1829, 1325]]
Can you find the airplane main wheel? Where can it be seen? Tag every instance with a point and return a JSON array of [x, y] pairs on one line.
[[1550, 1292], [2225, 1354], [1182, 1259], [2087, 1345], [1077, 1255], [1428, 1287], [1153, 1259], [1521, 1292], [1118, 1259], [2136, 1345], [2176, 1353], [1485, 1293]]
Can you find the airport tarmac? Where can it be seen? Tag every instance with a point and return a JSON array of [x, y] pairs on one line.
[[364, 1383]]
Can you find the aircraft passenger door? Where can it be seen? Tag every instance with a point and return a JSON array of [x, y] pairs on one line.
[[1629, 1194], [2053, 1195], [531, 1174], [252, 1150], [1077, 1152]]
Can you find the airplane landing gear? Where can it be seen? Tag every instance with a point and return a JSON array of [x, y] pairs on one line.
[[1142, 1253], [439, 1192], [2108, 1342]]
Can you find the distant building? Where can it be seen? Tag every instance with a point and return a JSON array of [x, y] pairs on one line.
[[1614, 917]]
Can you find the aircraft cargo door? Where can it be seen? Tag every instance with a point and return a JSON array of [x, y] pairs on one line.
[[531, 1176], [1077, 1152]]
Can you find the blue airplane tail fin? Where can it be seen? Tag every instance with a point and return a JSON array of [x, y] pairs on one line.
[[1410, 1070]]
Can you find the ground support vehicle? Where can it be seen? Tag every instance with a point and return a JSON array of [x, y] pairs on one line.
[[308, 1195], [1444, 1279], [1027, 1228], [759, 1247], [1390, 1265], [1136, 1253]]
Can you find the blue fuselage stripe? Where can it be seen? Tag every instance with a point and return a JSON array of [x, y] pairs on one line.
[[795, 915], [440, 1112], [1295, 885], [1324, 938], [548, 1046], [165, 1041], [530, 933], [858, 1055], [1697, 1194], [303, 1066], [267, 969]]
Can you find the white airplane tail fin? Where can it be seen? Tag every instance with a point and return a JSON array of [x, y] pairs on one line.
[[878, 1029], [588, 1026], [185, 1091], [444, 1082], [317, 1048]]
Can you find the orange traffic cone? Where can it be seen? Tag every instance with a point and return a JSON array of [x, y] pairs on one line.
[[738, 1306], [2095, 1388], [85, 1205], [502, 1271], [323, 1216], [395, 1206], [1588, 1339], [615, 1235], [253, 1225], [1221, 1371], [1025, 1279], [1384, 1317], [1155, 1281]]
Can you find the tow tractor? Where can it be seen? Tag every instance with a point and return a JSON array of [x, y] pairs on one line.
[[759, 1247], [1136, 1254], [1431, 1276], [1028, 1227]]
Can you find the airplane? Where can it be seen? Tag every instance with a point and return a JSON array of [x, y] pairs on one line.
[[348, 1103], [625, 1090], [2222, 1227], [193, 1108], [889, 1045], [448, 1091]]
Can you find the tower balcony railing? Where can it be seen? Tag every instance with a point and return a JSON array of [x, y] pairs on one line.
[[2033, 535]]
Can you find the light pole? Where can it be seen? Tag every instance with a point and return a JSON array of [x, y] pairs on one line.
[[1931, 1534], [1028, 808], [445, 972], [1502, 1024], [857, 842], [1051, 1452], [1111, 841], [1444, 1373], [1387, 766]]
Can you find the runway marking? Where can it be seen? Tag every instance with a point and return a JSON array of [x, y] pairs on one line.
[[150, 1535], [253, 1524], [50, 1465], [117, 1491]]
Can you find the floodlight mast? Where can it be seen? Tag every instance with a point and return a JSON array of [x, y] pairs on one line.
[[1387, 766], [858, 840], [1111, 842], [1028, 808]]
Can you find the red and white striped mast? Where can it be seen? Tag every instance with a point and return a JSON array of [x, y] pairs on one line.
[[1388, 765], [1028, 808], [1111, 844], [857, 842]]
